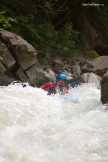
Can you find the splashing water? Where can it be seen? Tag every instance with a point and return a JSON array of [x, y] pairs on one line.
[[35, 127]]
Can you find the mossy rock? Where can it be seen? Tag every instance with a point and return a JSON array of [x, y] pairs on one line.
[[91, 54]]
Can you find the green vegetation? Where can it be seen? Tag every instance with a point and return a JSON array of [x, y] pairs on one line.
[[5, 21], [51, 25]]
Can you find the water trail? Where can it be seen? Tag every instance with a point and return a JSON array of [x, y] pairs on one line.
[[35, 127]]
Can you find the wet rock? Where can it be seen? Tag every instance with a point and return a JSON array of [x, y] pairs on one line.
[[104, 89], [21, 75], [31, 73], [42, 79], [91, 78], [100, 65], [35, 75], [5, 80]]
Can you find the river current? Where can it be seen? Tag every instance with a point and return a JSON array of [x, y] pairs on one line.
[[35, 127]]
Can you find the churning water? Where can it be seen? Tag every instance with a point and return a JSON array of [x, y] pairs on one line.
[[35, 127]]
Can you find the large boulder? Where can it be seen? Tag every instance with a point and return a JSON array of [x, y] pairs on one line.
[[100, 65], [23, 52], [91, 78], [18, 57], [104, 88]]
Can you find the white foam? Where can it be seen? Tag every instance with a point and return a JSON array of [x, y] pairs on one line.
[[35, 127]]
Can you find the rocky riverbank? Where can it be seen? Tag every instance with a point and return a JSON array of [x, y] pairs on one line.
[[18, 61]]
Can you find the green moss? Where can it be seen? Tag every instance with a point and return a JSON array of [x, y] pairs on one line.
[[91, 54]]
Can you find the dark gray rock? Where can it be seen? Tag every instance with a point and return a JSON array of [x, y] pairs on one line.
[[21, 75], [2, 69], [6, 58], [41, 79], [36, 76], [5, 80], [104, 89]]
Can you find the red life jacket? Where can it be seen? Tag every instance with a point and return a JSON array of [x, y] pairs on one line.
[[46, 85], [53, 88]]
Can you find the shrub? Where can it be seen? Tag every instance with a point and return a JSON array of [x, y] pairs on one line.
[[6, 21]]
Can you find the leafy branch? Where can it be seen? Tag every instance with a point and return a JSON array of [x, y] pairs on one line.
[[5, 21]]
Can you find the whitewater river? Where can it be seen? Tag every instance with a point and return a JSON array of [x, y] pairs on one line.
[[35, 127]]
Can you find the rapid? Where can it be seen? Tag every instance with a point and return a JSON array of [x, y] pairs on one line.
[[35, 127]]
